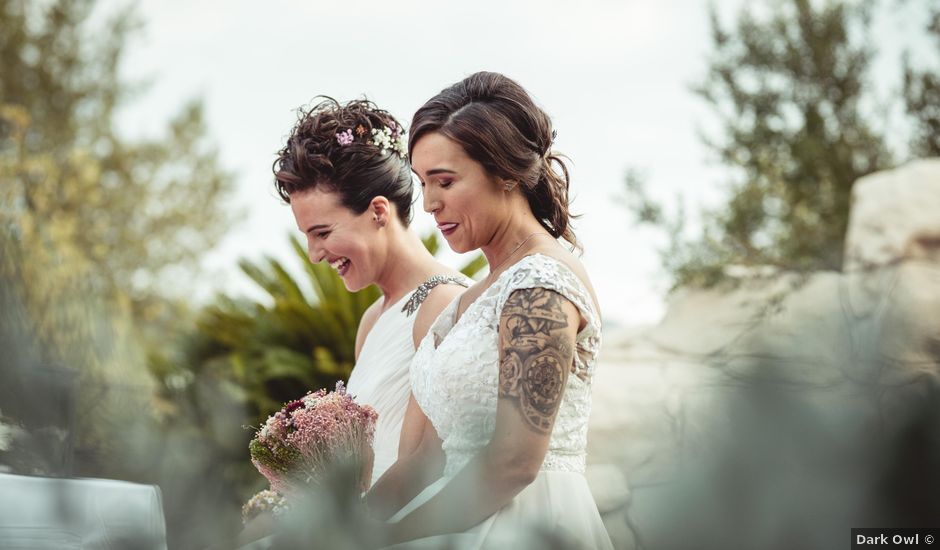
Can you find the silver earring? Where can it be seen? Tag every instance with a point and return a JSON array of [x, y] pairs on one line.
[[509, 185]]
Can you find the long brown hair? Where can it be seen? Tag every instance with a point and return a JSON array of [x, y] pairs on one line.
[[498, 124]]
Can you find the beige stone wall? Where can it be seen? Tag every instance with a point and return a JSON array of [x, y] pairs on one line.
[[848, 353]]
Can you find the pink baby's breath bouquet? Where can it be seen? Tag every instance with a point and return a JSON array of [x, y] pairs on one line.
[[309, 437]]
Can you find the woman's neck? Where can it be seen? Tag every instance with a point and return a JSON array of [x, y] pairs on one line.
[[512, 238], [407, 264]]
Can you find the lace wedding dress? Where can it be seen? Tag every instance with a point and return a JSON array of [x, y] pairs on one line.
[[454, 378], [380, 378]]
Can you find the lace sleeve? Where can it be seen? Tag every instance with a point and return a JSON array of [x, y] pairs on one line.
[[541, 271]]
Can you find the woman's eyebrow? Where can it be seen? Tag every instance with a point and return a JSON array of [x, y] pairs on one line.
[[436, 171]]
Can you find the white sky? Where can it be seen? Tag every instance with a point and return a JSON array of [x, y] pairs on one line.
[[613, 74]]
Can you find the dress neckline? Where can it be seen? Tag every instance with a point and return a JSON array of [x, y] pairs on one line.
[[455, 319], [453, 315], [392, 307], [450, 312]]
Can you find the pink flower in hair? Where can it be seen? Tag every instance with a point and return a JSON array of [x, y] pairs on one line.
[[344, 138]]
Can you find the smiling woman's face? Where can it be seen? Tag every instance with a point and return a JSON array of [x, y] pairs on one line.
[[467, 203], [349, 242]]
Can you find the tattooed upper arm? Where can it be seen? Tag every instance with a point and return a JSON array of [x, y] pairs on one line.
[[536, 337]]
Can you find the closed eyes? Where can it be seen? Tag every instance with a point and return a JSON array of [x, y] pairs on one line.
[[444, 184]]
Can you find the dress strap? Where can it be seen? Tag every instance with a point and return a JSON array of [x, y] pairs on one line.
[[421, 293]]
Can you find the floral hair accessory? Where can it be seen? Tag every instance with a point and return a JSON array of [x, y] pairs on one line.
[[388, 138], [344, 138], [391, 139]]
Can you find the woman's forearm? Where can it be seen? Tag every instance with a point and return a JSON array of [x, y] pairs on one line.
[[478, 491], [407, 477]]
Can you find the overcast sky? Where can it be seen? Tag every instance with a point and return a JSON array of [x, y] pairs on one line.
[[613, 74]]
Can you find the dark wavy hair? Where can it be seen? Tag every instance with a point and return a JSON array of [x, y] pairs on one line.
[[498, 124], [359, 172]]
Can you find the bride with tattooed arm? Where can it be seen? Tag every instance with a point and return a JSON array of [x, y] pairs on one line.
[[501, 384]]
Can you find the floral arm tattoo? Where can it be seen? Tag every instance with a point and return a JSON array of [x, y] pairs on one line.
[[536, 355]]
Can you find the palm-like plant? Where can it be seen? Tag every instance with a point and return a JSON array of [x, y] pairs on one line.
[[235, 362], [261, 354]]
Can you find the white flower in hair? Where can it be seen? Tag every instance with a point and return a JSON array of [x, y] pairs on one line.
[[400, 144], [387, 139], [382, 138]]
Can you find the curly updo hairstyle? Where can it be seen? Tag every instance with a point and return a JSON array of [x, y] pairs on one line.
[[498, 124], [316, 155]]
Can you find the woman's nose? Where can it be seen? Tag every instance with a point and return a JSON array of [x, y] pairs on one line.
[[314, 251], [430, 204]]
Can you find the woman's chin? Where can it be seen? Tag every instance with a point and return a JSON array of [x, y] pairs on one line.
[[457, 246], [352, 286]]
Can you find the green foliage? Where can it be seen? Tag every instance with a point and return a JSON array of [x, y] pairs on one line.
[[788, 91], [89, 219], [134, 208], [792, 95], [300, 337], [922, 98], [275, 350], [242, 359]]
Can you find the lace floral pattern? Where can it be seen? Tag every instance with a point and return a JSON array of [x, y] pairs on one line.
[[455, 370]]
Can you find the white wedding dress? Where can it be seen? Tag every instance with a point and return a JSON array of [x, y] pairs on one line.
[[454, 379], [380, 378]]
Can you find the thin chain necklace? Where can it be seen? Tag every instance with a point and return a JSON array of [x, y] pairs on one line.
[[460, 309], [513, 251]]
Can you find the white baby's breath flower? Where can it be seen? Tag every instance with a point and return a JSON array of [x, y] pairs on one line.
[[382, 138], [401, 145]]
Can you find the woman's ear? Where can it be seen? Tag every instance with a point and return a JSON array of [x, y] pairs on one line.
[[506, 185], [381, 210]]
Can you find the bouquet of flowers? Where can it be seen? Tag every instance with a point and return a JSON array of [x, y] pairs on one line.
[[307, 438]]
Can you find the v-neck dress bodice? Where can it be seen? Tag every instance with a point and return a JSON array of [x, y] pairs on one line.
[[456, 381], [454, 378]]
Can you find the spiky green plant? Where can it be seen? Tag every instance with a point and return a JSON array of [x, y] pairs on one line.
[[238, 360]]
